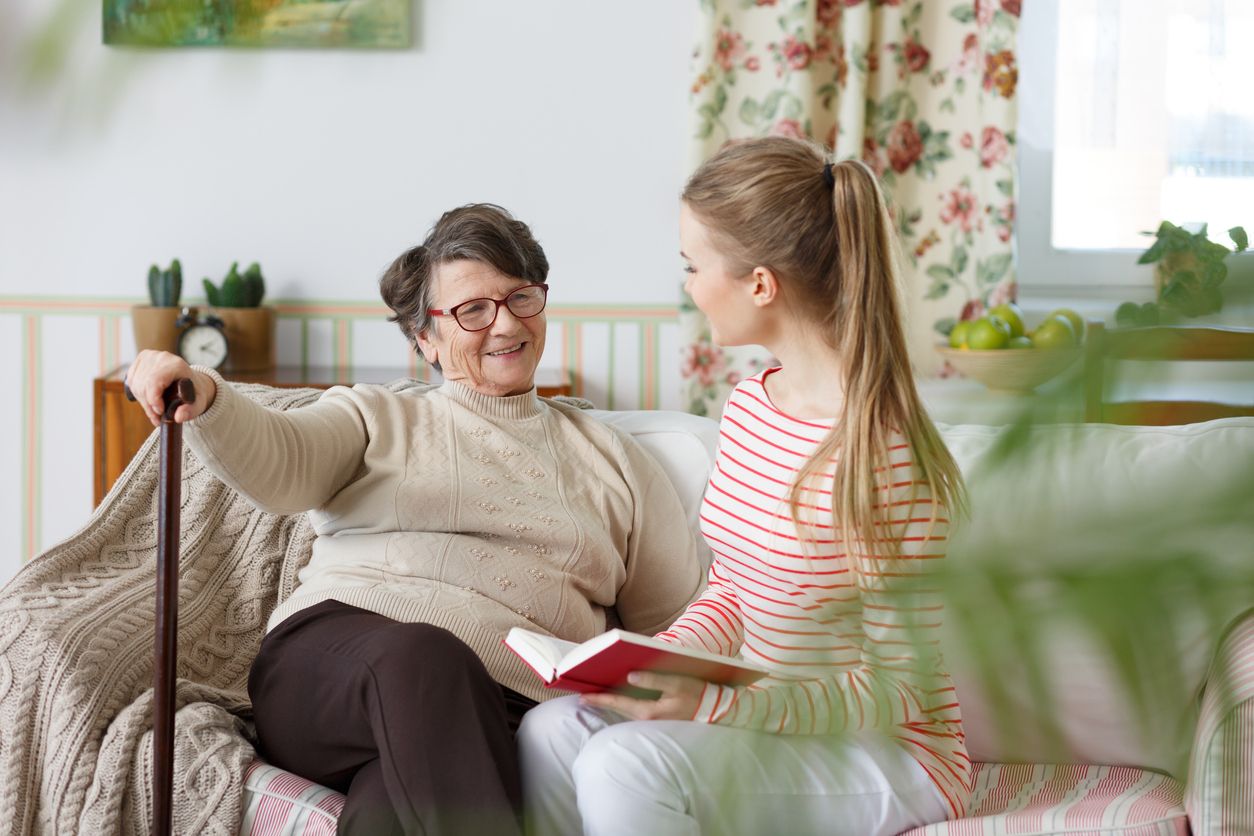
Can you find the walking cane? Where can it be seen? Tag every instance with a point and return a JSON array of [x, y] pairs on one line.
[[169, 482]]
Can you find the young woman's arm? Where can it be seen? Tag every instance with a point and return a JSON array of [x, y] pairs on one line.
[[712, 622], [899, 679]]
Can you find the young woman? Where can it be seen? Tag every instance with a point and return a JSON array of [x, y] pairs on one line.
[[828, 503]]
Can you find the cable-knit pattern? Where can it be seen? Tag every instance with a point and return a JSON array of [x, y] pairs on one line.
[[77, 623], [76, 648]]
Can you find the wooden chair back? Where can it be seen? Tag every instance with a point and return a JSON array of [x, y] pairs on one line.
[[1165, 343]]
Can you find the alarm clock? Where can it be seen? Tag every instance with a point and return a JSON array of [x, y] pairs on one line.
[[203, 343]]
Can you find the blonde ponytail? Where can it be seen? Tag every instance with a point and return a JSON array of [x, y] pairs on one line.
[[768, 202]]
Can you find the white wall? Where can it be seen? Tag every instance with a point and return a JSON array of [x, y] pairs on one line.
[[323, 165]]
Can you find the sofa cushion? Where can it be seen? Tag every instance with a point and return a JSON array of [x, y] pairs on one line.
[[1219, 796], [278, 802], [1040, 799], [1087, 500]]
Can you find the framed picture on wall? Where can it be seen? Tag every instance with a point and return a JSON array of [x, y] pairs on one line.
[[258, 23]]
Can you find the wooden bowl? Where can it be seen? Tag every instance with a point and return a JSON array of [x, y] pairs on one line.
[[1010, 370]]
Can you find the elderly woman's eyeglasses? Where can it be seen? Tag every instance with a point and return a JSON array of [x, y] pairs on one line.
[[478, 314]]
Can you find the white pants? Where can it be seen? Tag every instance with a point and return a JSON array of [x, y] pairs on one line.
[[594, 772]]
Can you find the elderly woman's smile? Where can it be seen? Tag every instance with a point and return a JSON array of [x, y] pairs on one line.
[[500, 358]]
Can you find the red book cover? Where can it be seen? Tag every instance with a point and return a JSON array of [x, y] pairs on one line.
[[603, 662]]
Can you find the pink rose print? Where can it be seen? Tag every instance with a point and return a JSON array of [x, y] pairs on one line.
[[904, 146], [1012, 7], [728, 47], [993, 147], [752, 64], [703, 361], [832, 133], [796, 53], [1005, 220], [1004, 292], [849, 4], [765, 2], [970, 59], [829, 13], [960, 206], [916, 55], [984, 13], [972, 310], [966, 141], [789, 128]]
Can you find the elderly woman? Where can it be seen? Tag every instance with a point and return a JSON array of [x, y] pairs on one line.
[[445, 516]]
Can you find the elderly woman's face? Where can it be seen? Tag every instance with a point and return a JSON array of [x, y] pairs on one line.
[[499, 360]]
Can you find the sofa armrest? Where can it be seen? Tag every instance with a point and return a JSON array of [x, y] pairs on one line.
[[1217, 796]]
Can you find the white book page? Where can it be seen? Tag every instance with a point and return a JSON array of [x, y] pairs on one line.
[[543, 653]]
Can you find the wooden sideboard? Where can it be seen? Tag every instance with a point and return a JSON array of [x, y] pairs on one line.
[[120, 427]]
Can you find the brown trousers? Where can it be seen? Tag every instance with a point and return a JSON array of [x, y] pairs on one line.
[[402, 718]]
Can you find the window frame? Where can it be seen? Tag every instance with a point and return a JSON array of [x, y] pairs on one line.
[[1043, 270]]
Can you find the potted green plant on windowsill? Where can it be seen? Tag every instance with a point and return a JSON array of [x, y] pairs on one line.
[[249, 325], [154, 325], [1188, 270]]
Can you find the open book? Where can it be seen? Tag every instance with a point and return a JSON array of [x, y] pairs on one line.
[[603, 662]]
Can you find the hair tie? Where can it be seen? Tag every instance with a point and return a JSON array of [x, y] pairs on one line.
[[828, 177]]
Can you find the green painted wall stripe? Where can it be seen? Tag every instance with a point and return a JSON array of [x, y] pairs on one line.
[[316, 308], [111, 314]]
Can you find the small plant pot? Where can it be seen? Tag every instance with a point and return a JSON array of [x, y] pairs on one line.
[[249, 338], [154, 328]]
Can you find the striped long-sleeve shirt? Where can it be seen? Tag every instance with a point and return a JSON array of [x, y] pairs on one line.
[[845, 650]]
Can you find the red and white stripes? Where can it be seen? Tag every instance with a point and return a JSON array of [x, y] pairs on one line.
[[848, 646], [278, 802], [1220, 791]]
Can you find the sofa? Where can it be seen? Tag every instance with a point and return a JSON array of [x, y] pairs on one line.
[[1100, 634]]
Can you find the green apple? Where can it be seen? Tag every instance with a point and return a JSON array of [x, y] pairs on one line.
[[989, 332], [1021, 341], [1077, 321], [1055, 332], [1013, 315], [958, 336]]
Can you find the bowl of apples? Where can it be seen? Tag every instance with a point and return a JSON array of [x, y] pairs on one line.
[[1001, 353]]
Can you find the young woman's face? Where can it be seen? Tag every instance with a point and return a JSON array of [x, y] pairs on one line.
[[499, 360], [723, 298]]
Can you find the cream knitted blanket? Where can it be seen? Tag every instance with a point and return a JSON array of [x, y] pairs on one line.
[[76, 655]]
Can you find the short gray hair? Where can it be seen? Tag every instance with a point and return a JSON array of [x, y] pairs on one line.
[[482, 232]]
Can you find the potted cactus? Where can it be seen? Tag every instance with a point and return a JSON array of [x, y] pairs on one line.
[[249, 325], [154, 325]]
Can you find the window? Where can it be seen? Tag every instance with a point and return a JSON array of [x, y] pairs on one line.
[[1131, 112]]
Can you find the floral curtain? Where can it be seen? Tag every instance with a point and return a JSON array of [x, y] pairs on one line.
[[923, 91]]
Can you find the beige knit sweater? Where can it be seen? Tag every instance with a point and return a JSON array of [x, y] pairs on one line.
[[76, 649], [470, 512]]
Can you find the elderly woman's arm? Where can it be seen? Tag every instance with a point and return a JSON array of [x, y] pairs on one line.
[[284, 462], [664, 574]]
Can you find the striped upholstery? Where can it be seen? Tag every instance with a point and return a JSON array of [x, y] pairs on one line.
[[1220, 791], [1039, 799], [278, 802], [1027, 799]]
